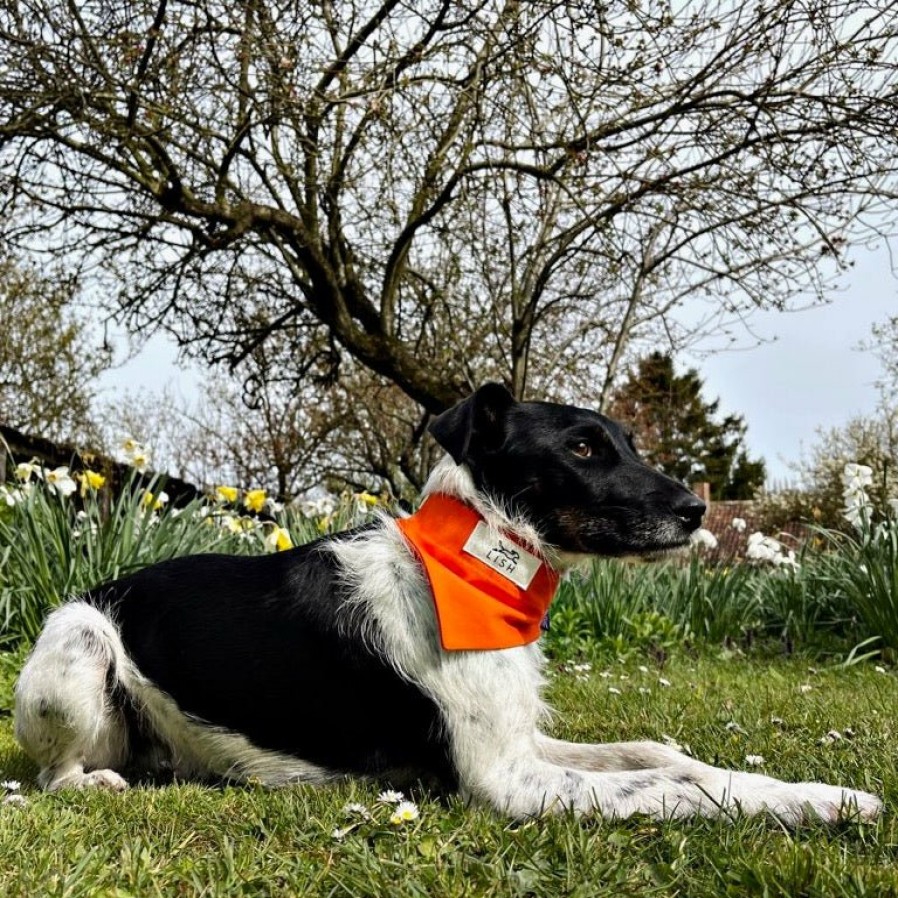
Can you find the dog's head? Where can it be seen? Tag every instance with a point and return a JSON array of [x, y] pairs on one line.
[[573, 473]]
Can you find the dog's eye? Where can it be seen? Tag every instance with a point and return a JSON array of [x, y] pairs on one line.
[[582, 449]]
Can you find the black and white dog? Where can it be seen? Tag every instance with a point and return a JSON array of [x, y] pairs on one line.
[[328, 661]]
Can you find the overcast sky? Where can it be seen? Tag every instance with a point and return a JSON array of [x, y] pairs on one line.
[[812, 374]]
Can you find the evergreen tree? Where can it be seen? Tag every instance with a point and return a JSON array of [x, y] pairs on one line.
[[680, 433]]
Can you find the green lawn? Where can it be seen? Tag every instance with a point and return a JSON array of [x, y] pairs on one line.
[[188, 840]]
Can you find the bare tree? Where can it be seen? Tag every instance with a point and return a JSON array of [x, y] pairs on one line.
[[446, 191]]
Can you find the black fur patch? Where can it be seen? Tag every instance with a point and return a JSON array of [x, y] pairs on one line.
[[258, 645]]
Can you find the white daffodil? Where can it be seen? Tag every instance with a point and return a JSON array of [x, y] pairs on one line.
[[766, 548], [25, 470], [13, 497], [136, 455], [704, 538], [318, 508], [61, 481], [272, 506], [857, 477]]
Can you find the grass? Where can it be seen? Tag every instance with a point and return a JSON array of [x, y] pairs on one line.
[[204, 841], [636, 625]]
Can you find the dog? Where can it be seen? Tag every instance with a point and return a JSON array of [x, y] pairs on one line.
[[405, 650]]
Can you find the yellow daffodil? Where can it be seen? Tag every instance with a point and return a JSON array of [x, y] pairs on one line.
[[226, 493], [365, 498], [154, 502], [91, 480], [278, 538], [254, 500]]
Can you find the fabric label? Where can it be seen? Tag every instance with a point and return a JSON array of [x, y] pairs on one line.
[[502, 555]]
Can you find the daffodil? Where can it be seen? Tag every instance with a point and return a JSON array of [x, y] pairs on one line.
[[91, 480], [226, 493], [704, 538], [136, 455], [27, 469], [241, 526], [150, 500], [13, 497], [278, 538], [61, 481], [254, 500]]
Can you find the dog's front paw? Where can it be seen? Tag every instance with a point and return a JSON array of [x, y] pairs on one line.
[[830, 804], [850, 804]]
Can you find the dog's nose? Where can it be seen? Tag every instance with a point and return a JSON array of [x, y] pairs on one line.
[[689, 509]]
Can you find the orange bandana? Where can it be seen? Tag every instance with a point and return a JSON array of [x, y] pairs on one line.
[[489, 592]]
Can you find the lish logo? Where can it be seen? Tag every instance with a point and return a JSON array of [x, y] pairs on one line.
[[504, 557]]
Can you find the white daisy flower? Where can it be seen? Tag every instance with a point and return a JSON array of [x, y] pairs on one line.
[[390, 796], [354, 809], [614, 690], [11, 785], [16, 800], [663, 682], [754, 760], [405, 812]]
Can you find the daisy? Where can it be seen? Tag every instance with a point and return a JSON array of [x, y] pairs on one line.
[[404, 812]]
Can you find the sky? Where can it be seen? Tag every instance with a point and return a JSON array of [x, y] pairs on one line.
[[810, 374]]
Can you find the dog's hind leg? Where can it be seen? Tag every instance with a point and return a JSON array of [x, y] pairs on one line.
[[66, 717]]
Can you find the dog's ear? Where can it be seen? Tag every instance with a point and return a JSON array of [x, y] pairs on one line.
[[477, 422]]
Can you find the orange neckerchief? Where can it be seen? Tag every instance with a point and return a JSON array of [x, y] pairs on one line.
[[477, 606]]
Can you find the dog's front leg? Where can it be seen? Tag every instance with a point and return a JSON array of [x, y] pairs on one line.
[[526, 784], [609, 756]]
